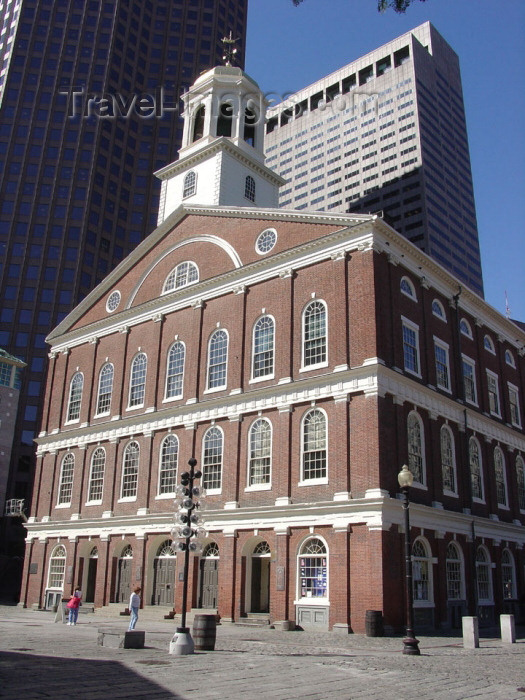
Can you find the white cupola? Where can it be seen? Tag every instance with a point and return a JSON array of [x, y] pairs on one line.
[[221, 162]]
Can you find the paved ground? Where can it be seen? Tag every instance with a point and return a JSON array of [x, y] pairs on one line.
[[42, 659]]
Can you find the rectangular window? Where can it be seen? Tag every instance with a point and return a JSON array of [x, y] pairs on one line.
[[442, 365], [469, 380], [514, 402], [411, 347], [493, 391]]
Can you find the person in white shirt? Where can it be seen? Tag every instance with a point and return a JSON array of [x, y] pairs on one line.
[[134, 605]]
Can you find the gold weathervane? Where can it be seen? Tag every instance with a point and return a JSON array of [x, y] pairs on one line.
[[229, 50]]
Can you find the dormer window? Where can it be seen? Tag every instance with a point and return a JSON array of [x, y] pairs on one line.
[[184, 274], [198, 124], [249, 188], [250, 120], [190, 184], [224, 122]]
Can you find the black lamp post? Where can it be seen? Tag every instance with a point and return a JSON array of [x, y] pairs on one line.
[[187, 520], [410, 643]]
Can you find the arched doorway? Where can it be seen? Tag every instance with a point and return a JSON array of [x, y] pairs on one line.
[[125, 564], [260, 578], [164, 574], [91, 580], [209, 576]]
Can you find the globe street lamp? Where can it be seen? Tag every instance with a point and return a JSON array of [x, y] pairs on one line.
[[410, 643], [187, 521]]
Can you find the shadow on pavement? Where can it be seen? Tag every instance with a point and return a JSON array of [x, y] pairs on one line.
[[33, 676]]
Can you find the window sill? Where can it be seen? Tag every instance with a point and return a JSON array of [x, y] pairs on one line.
[[165, 496], [213, 492], [450, 494], [72, 422], [313, 482], [424, 604], [447, 389], [135, 408], [478, 500], [309, 368], [214, 390], [411, 371], [312, 601], [93, 503], [102, 415], [63, 505], [419, 485], [266, 377], [472, 403], [257, 487], [169, 399], [127, 499]]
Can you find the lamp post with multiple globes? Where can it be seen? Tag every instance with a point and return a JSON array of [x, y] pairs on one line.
[[410, 643]]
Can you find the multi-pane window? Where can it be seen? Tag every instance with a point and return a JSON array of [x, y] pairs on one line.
[[75, 396], [260, 453], [137, 384], [499, 476], [411, 347], [475, 469], [465, 329], [57, 568], [514, 404], [65, 488], [314, 445], [130, 471], [438, 310], [520, 479], [313, 570], [169, 455], [105, 388], [483, 575], [448, 464], [175, 370], [314, 334], [442, 369], [96, 476], [249, 188], [493, 390], [407, 288], [263, 347], [217, 360], [420, 572], [190, 184], [181, 276], [416, 462], [469, 381], [508, 577], [212, 459], [454, 573]]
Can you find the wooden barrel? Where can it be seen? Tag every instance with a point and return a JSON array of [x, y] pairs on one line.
[[374, 623], [204, 632]]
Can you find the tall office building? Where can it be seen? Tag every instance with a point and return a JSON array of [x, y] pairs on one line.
[[386, 133], [89, 110]]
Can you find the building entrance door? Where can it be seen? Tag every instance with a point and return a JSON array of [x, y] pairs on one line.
[[91, 580], [209, 577], [125, 564], [164, 575], [260, 584]]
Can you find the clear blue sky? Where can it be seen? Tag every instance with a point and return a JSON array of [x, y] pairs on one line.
[[290, 47]]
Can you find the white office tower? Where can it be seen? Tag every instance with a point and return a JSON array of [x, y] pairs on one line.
[[386, 133]]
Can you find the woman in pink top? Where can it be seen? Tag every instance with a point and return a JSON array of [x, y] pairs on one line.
[[74, 605]]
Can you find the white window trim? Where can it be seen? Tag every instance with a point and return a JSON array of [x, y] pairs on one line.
[[224, 386], [444, 346], [93, 503], [134, 408], [430, 603], [169, 494], [318, 365], [167, 399], [513, 387], [443, 315], [475, 499], [472, 363], [254, 380], [512, 362], [412, 295], [502, 506], [469, 327], [498, 395], [323, 480], [488, 340], [414, 327], [447, 492], [127, 499], [317, 602], [259, 487]]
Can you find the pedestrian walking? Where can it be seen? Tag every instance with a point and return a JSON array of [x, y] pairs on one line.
[[134, 605], [73, 606]]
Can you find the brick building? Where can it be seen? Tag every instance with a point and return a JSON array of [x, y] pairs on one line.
[[302, 358]]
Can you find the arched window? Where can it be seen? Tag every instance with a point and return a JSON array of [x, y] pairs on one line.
[[105, 389], [465, 329], [520, 478], [211, 551], [407, 288], [217, 360], [488, 344], [190, 184], [509, 358], [198, 123], [175, 370], [169, 455], [455, 581], [263, 347], [438, 310], [499, 475], [476, 475], [416, 447], [250, 120], [57, 568], [96, 475], [212, 459], [184, 274], [249, 188], [259, 467], [314, 445], [65, 488], [421, 572], [314, 334], [225, 119], [312, 569], [448, 459], [508, 575], [137, 384], [483, 576], [130, 471], [75, 396]]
